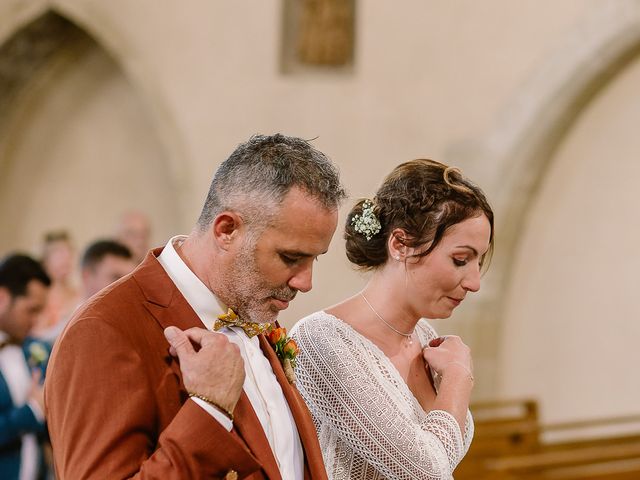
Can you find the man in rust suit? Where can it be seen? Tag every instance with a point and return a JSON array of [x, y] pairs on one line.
[[147, 382]]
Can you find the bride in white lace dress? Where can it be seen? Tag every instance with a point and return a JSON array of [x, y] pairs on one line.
[[390, 398]]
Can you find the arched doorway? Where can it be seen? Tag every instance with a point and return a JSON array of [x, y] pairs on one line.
[[571, 329], [77, 146], [514, 158]]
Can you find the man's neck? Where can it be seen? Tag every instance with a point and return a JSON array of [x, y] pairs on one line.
[[205, 267]]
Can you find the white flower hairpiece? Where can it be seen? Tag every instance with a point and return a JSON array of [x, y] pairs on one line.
[[367, 223]]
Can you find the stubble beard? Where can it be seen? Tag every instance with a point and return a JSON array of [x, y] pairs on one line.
[[248, 289]]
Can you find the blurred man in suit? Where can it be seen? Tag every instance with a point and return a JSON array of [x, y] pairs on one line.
[[23, 294]]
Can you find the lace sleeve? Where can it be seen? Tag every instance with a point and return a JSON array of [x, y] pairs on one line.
[[468, 433], [350, 389], [426, 332]]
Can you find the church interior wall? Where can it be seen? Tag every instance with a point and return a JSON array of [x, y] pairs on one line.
[[170, 90]]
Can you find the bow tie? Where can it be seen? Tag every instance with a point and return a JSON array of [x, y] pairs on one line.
[[230, 319]]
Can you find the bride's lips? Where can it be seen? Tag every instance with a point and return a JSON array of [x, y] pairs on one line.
[[455, 301]]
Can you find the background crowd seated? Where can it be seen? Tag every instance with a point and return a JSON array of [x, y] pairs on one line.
[[71, 280]]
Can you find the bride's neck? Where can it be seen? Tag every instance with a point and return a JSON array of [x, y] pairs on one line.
[[385, 298]]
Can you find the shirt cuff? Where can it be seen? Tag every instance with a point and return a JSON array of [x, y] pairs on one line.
[[215, 413]]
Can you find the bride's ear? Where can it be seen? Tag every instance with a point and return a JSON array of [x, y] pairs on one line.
[[396, 245]]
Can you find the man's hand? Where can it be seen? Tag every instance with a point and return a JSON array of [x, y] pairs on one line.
[[215, 370]]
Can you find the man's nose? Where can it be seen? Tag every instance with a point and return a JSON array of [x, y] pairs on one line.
[[302, 279]]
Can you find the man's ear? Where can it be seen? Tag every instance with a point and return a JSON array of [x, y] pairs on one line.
[[226, 229], [5, 300]]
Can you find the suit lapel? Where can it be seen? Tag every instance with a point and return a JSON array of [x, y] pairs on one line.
[[304, 422], [169, 307], [248, 426], [164, 300]]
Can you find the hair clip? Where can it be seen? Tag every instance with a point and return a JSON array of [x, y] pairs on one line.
[[367, 223]]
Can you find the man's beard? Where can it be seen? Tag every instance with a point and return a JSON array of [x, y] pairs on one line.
[[248, 291]]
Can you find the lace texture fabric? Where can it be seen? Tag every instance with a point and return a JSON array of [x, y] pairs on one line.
[[369, 424]]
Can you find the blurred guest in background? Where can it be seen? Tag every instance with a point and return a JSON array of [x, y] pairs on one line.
[[104, 262], [134, 231], [58, 260], [23, 294]]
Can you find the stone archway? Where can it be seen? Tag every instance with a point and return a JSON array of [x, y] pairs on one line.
[[513, 158], [77, 143], [119, 44]]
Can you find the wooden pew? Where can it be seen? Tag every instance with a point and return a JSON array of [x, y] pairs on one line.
[[501, 428], [605, 461], [505, 426], [594, 449]]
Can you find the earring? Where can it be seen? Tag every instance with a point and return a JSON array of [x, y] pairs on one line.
[[398, 257]]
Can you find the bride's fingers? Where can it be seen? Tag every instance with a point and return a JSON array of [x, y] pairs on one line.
[[436, 342]]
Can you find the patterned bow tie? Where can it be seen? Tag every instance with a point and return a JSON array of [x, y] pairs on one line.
[[230, 319]]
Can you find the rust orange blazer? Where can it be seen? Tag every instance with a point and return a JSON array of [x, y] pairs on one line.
[[117, 408]]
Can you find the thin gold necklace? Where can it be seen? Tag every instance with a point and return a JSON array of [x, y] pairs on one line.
[[408, 336]]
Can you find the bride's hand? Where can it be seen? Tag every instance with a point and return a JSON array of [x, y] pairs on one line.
[[448, 354]]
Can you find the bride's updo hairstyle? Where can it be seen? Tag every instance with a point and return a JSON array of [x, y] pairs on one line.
[[422, 197]]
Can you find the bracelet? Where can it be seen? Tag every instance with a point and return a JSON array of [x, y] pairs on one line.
[[464, 368], [228, 413]]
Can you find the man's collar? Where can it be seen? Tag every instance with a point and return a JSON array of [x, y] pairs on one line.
[[4, 339], [203, 301]]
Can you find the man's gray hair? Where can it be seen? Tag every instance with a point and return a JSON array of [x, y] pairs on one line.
[[260, 172]]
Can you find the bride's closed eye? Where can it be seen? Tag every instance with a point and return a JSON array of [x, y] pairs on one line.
[[459, 262]]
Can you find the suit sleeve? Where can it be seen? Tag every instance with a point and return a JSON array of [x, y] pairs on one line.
[[16, 422], [104, 421]]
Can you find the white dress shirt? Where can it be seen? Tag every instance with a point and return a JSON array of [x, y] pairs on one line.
[[260, 384], [17, 376]]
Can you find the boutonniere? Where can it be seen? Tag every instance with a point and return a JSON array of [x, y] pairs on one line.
[[38, 355], [286, 349]]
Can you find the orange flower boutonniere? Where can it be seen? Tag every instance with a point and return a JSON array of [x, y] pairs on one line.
[[286, 349]]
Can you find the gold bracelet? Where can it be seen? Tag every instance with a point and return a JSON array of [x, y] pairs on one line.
[[468, 372], [228, 413]]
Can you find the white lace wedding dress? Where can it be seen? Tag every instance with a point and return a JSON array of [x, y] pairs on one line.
[[369, 424]]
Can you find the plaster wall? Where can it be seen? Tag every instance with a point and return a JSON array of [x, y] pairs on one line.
[[571, 328], [430, 79], [79, 151]]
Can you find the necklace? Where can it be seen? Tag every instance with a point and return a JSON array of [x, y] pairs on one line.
[[408, 336]]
